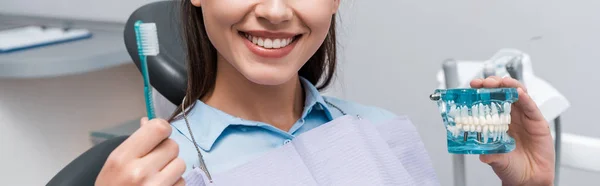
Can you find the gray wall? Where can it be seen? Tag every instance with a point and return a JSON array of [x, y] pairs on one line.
[[391, 50]]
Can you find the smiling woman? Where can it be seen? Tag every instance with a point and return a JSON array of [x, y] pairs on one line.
[[255, 71]]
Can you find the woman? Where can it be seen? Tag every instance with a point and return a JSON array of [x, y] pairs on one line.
[[255, 71]]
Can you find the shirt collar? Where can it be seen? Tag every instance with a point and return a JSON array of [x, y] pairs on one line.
[[208, 123], [313, 99]]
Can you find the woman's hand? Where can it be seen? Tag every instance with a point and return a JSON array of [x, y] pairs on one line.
[[532, 161], [147, 157]]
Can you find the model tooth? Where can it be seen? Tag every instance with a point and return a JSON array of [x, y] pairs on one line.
[[485, 133], [506, 107], [464, 114], [500, 135], [475, 115], [485, 137]]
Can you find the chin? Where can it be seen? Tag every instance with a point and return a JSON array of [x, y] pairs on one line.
[[268, 76]]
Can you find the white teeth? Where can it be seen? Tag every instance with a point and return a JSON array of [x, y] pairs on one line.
[[506, 108], [491, 120], [261, 42], [268, 42], [485, 133], [276, 43], [474, 114], [255, 40]]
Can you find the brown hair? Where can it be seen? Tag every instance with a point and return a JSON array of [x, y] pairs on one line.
[[202, 58]]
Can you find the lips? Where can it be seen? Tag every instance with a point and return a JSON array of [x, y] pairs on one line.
[[270, 45]]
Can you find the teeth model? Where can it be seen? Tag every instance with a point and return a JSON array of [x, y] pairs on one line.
[[477, 120], [491, 121]]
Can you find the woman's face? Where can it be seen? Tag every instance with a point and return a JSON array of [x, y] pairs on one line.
[[267, 41]]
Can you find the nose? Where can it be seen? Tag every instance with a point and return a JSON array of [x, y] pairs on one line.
[[274, 11]]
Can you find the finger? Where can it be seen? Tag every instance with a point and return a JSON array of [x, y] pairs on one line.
[[180, 182], [164, 153], [528, 106], [510, 82], [143, 121], [143, 140], [496, 161], [170, 174], [492, 82], [477, 83]]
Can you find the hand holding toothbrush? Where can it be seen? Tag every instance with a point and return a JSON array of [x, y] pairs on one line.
[[532, 161], [147, 157]]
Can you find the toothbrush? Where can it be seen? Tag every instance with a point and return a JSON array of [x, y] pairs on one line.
[[147, 41]]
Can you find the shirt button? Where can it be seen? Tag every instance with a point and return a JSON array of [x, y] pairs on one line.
[[287, 141]]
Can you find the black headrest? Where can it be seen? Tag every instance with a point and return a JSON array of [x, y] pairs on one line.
[[168, 74]]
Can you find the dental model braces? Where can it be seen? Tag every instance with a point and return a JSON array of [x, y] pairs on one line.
[[477, 120]]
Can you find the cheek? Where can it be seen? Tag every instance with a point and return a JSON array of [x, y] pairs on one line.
[[226, 12], [316, 14], [221, 15]]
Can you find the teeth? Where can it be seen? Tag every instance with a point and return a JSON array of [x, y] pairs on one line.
[[491, 120], [475, 113], [269, 42], [276, 43], [506, 108], [485, 134], [261, 42]]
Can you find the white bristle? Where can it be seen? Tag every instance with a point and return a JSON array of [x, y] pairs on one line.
[[149, 39]]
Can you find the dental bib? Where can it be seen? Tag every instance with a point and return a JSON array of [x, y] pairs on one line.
[[345, 151], [477, 120]]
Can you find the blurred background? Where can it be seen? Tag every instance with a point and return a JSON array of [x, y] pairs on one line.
[[53, 100]]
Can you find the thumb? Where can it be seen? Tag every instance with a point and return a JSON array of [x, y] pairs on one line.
[[528, 106], [498, 162]]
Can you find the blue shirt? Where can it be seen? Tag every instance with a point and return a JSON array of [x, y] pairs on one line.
[[227, 141]]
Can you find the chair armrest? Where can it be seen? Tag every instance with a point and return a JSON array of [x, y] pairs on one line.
[[85, 168]]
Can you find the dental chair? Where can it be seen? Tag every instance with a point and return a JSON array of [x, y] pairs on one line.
[[167, 76]]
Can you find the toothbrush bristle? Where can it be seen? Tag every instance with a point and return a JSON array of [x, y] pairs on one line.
[[149, 39]]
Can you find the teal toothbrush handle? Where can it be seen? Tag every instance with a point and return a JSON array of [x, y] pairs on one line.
[[147, 88]]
